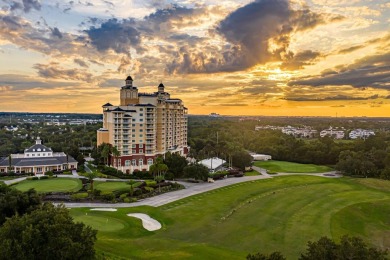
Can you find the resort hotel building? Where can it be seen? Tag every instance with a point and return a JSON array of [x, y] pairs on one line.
[[37, 159], [143, 127]]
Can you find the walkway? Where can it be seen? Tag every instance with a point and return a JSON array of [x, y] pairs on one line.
[[172, 196]]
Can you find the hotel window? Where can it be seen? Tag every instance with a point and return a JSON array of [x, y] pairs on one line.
[[134, 162], [141, 146], [150, 161], [134, 151], [133, 135], [140, 135], [133, 124], [141, 114], [127, 163], [141, 151], [133, 146], [141, 109], [119, 162], [141, 120], [140, 162]]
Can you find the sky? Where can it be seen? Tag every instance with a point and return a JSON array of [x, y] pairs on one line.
[[262, 57]]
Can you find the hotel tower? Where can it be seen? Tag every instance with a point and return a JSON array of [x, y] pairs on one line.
[[143, 126]]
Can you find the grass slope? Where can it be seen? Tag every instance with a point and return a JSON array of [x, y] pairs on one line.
[[281, 166], [50, 185], [112, 186], [279, 214]]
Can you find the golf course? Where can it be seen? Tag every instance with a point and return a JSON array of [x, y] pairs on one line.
[[291, 167], [275, 214], [50, 185]]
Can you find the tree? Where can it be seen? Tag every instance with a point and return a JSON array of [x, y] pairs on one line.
[[46, 233], [175, 163], [116, 154], [105, 152], [349, 248], [14, 202], [92, 175], [272, 256], [158, 169], [196, 171], [242, 159], [131, 183]]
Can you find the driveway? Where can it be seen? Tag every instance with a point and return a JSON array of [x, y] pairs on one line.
[[169, 197]]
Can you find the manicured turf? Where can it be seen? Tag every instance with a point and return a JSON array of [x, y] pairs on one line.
[[252, 173], [112, 186], [278, 214], [50, 185], [281, 166]]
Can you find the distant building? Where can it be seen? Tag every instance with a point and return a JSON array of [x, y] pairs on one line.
[[261, 157], [213, 164], [144, 126], [214, 115], [11, 128], [334, 133], [361, 133], [37, 159]]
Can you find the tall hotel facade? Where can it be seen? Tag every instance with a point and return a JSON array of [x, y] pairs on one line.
[[143, 127]]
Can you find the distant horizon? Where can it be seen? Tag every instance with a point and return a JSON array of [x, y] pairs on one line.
[[221, 115]]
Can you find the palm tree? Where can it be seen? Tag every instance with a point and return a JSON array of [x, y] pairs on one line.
[[159, 168], [92, 175], [105, 153], [131, 183], [116, 154]]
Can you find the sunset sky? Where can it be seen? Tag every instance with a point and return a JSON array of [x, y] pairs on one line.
[[264, 57]]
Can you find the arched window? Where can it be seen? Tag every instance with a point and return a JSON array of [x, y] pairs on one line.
[[140, 162], [134, 162]]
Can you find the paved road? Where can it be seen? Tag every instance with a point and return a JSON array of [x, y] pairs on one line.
[[169, 197]]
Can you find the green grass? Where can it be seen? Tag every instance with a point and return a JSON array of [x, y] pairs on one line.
[[112, 186], [279, 214], [281, 166], [252, 173], [50, 185]]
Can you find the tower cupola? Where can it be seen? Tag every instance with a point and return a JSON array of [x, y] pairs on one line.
[[129, 81], [161, 88]]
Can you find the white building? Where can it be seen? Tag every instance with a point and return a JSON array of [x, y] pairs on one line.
[[361, 133], [213, 164], [37, 159], [334, 133], [261, 157]]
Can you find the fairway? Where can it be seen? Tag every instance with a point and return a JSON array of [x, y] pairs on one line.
[[278, 214], [281, 166], [50, 185]]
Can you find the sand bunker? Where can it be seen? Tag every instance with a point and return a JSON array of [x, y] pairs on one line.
[[149, 223], [104, 209]]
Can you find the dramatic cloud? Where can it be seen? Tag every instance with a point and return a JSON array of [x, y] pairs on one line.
[[299, 60], [53, 70], [331, 98], [116, 35], [81, 63], [257, 33], [25, 5], [372, 71]]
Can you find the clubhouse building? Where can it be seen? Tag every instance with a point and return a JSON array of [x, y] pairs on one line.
[[37, 159], [143, 126]]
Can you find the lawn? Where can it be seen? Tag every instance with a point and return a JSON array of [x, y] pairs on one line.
[[50, 185], [282, 166], [252, 173], [278, 214], [112, 186]]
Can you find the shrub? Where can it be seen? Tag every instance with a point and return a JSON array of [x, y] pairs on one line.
[[123, 196], [150, 183], [169, 176], [67, 172], [49, 173], [107, 195], [35, 178], [79, 196], [126, 200], [96, 192], [44, 177]]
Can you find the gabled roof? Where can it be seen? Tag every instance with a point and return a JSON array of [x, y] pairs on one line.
[[38, 161], [107, 105], [35, 148]]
